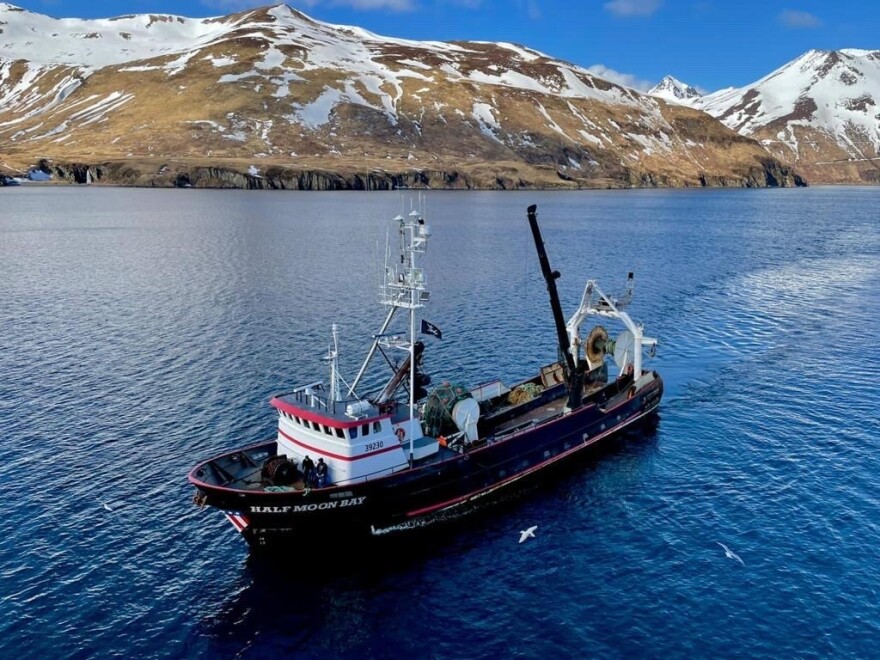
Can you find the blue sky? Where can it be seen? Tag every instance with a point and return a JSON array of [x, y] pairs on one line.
[[707, 43]]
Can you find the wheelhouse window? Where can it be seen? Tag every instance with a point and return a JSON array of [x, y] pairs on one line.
[[354, 432], [377, 426], [365, 429], [339, 432]]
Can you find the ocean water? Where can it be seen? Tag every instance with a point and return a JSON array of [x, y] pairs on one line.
[[142, 330]]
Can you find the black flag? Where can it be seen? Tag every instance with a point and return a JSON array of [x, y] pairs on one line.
[[431, 329]]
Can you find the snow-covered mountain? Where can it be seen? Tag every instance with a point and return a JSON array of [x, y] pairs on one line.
[[672, 89], [285, 100], [820, 112]]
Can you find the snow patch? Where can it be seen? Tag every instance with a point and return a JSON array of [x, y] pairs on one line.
[[140, 69], [104, 42], [219, 62], [527, 54], [509, 79], [207, 122], [317, 113], [283, 84], [552, 123], [99, 110], [414, 63], [235, 77], [590, 138], [489, 126], [273, 59], [55, 131]]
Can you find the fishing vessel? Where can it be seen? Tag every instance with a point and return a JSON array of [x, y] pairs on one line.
[[404, 455]]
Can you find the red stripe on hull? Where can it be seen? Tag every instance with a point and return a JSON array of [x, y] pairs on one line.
[[239, 522], [339, 457], [483, 491]]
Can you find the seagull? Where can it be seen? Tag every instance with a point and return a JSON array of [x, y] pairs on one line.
[[730, 554], [527, 533], [107, 506]]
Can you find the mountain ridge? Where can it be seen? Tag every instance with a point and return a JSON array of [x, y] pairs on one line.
[[159, 96], [818, 112]]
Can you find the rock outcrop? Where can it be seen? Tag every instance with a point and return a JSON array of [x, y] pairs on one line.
[[769, 173]]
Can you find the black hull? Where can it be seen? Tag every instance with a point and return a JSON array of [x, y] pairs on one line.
[[416, 496]]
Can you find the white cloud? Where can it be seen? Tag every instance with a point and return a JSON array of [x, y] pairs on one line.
[[533, 9], [631, 8], [530, 7], [798, 19], [625, 79], [467, 4]]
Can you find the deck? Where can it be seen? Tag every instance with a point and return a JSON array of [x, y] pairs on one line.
[[534, 416]]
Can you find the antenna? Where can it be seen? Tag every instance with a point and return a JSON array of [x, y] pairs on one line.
[[333, 358]]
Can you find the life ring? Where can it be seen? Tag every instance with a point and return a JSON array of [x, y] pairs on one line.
[[400, 433]]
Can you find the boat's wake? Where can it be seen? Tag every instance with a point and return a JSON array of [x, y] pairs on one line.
[[451, 514]]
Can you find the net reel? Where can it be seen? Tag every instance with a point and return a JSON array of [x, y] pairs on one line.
[[597, 345]]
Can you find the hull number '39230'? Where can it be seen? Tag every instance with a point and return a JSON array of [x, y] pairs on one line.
[[373, 446]]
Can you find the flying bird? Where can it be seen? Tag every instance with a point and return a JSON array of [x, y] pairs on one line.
[[730, 554], [527, 533], [107, 506]]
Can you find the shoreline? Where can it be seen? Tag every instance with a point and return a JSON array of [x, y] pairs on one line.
[[480, 176]]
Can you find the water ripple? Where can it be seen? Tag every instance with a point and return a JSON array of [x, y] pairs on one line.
[[142, 330]]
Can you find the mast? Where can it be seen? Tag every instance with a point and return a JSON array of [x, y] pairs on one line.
[[404, 287], [412, 368], [333, 359], [414, 240], [573, 374]]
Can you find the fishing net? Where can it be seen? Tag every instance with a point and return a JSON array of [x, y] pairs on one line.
[[523, 393], [437, 417]]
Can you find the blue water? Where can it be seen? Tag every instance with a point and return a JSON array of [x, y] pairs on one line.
[[141, 331]]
